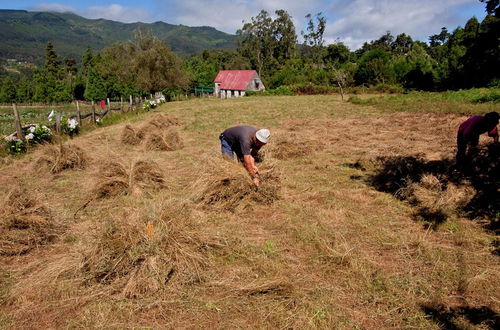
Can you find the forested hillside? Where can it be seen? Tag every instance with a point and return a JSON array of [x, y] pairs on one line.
[[23, 34]]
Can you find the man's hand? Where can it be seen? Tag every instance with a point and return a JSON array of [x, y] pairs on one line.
[[256, 181]]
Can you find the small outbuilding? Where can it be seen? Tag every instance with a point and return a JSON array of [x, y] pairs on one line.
[[234, 83]]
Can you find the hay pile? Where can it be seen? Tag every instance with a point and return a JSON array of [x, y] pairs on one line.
[[119, 179], [167, 141], [58, 159], [137, 255], [436, 199], [25, 222], [160, 133], [131, 136], [226, 185], [291, 145]]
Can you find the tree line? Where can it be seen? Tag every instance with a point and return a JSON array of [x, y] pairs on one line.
[[466, 57]]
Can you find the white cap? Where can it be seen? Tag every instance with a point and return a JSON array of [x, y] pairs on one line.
[[263, 135]]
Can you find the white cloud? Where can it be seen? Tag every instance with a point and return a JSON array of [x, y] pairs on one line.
[[112, 12], [47, 6], [119, 13], [350, 21], [365, 20], [227, 15]]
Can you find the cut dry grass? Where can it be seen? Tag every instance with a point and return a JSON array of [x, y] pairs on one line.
[[63, 157], [131, 136], [226, 185], [167, 141], [160, 133], [26, 222], [291, 145], [138, 256], [119, 179]]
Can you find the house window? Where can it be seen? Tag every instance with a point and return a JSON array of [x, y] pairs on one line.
[[257, 83]]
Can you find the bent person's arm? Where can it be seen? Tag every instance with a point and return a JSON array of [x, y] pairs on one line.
[[249, 164], [494, 134]]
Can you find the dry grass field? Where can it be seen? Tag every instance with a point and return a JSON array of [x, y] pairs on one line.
[[361, 222]]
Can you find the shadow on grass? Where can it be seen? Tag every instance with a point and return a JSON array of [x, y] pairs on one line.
[[454, 318], [395, 175]]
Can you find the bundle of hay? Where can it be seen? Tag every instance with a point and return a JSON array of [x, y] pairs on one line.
[[290, 145], [58, 159], [25, 222], [437, 197], [131, 136], [226, 185], [159, 133], [166, 141], [139, 257], [118, 179]]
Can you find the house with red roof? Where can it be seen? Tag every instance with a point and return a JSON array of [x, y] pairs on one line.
[[234, 83]]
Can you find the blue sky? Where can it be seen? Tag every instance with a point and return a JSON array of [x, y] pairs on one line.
[[350, 21]]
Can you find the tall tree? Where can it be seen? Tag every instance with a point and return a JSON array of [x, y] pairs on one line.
[[52, 61], [256, 42], [313, 39], [284, 37]]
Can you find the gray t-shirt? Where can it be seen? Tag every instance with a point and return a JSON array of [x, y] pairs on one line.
[[240, 139]]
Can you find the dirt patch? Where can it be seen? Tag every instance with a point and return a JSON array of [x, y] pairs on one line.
[[63, 157], [227, 186], [26, 222]]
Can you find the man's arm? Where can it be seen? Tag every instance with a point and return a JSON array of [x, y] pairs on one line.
[[494, 134], [249, 164]]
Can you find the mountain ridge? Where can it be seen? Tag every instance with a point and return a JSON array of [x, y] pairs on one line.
[[24, 34]]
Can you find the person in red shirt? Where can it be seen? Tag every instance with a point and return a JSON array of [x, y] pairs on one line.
[[469, 131]]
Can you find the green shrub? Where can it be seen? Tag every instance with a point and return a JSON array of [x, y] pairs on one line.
[[15, 146]]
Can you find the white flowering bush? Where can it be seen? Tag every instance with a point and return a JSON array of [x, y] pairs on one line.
[[161, 100], [52, 115], [71, 126], [38, 134], [149, 105], [15, 145]]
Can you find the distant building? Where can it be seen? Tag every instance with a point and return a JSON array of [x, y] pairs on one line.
[[234, 83]]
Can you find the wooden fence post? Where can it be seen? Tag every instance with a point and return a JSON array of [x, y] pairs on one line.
[[93, 113], [108, 105], [130, 102], [58, 123], [19, 127], [79, 114], [121, 104]]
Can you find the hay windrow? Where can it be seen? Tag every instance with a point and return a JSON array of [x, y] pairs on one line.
[[225, 185], [137, 256], [25, 222], [62, 157]]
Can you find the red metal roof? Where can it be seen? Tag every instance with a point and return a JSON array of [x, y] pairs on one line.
[[235, 79]]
